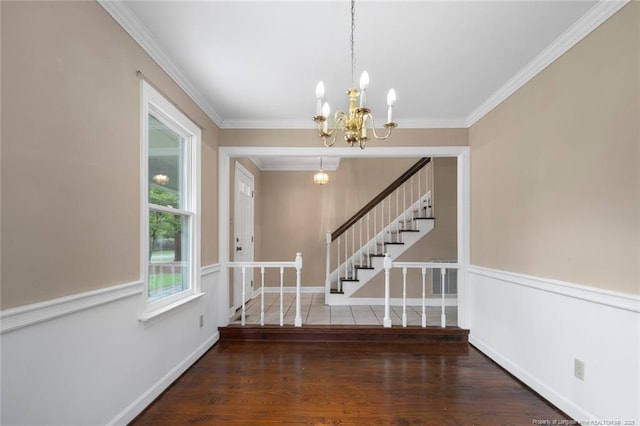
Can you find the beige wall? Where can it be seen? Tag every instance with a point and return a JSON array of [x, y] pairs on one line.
[[296, 213], [440, 244], [70, 151], [555, 168]]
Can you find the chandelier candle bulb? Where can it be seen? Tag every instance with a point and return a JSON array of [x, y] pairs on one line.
[[391, 98], [326, 110], [364, 84], [319, 96]]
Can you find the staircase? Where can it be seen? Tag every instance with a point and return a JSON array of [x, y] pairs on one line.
[[391, 223]]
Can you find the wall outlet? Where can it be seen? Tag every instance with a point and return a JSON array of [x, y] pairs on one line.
[[578, 368], [201, 321]]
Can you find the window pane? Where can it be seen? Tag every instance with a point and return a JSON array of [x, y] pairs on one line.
[[169, 254], [166, 162]]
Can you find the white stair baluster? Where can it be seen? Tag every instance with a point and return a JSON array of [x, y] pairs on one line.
[[404, 297], [419, 191], [346, 255], [339, 283], [360, 249], [375, 229], [327, 281], [397, 215], [443, 316], [281, 296], [424, 297], [297, 322], [413, 204], [353, 251], [243, 295], [386, 322], [368, 263], [262, 295], [404, 206], [389, 218]]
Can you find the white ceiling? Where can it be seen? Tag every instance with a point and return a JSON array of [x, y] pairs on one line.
[[255, 64]]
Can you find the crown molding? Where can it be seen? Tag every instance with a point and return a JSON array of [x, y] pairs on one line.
[[598, 14], [310, 125], [136, 29]]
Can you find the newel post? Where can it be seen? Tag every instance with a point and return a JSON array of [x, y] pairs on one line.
[[387, 268], [298, 261], [327, 283]]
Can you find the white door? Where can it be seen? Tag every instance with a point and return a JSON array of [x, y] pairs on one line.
[[243, 232]]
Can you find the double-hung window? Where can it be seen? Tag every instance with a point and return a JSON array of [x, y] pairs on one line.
[[170, 205]]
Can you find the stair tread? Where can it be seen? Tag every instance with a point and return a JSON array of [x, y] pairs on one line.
[[349, 279], [364, 267]]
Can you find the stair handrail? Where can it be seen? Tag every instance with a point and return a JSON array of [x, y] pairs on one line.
[[381, 196]]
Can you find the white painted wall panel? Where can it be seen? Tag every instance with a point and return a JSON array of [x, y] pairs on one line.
[[536, 328], [101, 365]]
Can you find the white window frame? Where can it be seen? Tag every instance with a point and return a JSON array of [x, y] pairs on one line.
[[154, 103]]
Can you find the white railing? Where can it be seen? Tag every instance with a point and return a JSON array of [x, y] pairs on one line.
[[423, 266], [296, 264], [381, 225]]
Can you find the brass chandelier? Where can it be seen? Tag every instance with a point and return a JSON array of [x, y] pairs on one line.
[[353, 124]]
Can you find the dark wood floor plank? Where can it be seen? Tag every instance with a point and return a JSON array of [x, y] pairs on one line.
[[254, 383]]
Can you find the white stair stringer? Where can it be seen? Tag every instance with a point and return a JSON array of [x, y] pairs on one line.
[[422, 225]]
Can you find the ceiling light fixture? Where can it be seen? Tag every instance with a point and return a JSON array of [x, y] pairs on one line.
[[354, 123], [160, 178], [321, 178]]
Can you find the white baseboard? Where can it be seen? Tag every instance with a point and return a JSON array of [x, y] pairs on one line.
[[531, 380], [536, 328], [156, 390]]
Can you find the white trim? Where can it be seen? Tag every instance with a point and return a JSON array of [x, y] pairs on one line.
[[599, 13], [28, 315], [537, 327], [628, 302], [342, 152], [153, 102], [210, 269], [431, 123], [154, 313], [132, 25], [161, 385]]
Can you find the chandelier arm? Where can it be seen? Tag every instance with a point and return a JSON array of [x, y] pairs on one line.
[[388, 126]]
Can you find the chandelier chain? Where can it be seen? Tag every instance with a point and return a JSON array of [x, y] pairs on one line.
[[353, 55]]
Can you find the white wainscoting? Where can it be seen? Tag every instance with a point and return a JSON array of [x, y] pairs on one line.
[[88, 360], [536, 328]]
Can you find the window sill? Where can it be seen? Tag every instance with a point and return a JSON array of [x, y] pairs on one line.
[[152, 314]]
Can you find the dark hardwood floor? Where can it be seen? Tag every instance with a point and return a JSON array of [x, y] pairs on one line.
[[253, 383]]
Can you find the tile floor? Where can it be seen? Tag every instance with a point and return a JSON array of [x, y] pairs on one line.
[[315, 312]]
